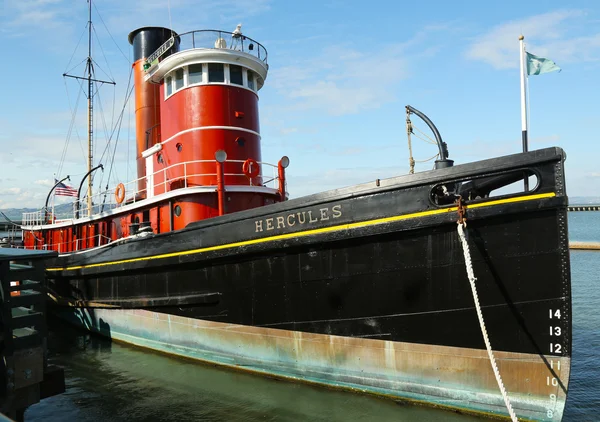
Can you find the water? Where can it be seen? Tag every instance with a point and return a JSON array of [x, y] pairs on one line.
[[109, 381], [583, 402]]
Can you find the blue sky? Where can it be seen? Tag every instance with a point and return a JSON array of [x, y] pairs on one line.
[[340, 75]]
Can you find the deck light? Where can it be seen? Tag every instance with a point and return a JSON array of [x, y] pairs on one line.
[[221, 156], [285, 161]]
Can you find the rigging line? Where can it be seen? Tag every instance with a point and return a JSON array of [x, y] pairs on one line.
[[430, 158], [97, 94], [81, 91], [429, 141], [76, 66], [170, 21], [119, 118], [128, 139], [111, 37], [103, 54], [103, 71], [112, 117], [424, 134], [69, 131], [71, 127], [118, 125], [117, 138], [422, 139], [109, 138], [76, 47], [117, 129], [102, 119]]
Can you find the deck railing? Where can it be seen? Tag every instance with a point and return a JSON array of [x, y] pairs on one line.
[[211, 39], [167, 179]]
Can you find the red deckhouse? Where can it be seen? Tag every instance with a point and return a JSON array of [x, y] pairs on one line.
[[198, 142]]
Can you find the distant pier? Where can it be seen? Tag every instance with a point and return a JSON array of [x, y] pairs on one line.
[[584, 208], [584, 246], [10, 225]]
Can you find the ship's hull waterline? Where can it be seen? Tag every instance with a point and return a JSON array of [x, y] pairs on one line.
[[362, 288], [449, 377]]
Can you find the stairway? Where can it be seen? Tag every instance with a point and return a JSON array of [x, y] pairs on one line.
[[25, 376]]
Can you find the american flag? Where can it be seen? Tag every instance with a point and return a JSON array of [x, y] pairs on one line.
[[64, 190]]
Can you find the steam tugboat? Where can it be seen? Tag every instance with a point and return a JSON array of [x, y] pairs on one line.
[[363, 288]]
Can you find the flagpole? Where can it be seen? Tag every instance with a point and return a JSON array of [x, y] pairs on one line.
[[523, 94], [53, 198], [523, 104]]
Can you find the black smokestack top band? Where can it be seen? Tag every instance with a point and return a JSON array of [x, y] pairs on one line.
[[146, 41]]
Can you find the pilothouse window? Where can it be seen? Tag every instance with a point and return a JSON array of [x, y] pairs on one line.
[[168, 84], [235, 74], [251, 79], [178, 79], [216, 72], [195, 74], [202, 73]]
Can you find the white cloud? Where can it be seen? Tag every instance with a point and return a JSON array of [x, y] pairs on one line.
[[552, 35], [39, 14], [44, 182], [342, 79], [10, 191], [334, 82], [24, 199]]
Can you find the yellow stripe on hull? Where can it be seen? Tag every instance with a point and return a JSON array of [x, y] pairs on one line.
[[341, 227]]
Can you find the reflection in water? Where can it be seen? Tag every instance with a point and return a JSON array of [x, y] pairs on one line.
[[111, 381]]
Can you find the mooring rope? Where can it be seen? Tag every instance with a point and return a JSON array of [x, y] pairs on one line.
[[472, 279]]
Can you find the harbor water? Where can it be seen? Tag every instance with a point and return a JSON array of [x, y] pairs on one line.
[[115, 382]]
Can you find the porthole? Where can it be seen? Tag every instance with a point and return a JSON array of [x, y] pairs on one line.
[[159, 158], [177, 210], [179, 147]]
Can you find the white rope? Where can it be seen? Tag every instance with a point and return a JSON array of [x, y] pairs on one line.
[[411, 160], [472, 279], [429, 140]]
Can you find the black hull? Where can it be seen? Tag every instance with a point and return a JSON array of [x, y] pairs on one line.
[[380, 261]]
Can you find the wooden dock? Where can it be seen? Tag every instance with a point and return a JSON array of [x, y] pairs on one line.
[[586, 246], [25, 376]]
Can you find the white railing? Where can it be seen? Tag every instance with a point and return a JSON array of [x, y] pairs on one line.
[[35, 218], [163, 181], [98, 240]]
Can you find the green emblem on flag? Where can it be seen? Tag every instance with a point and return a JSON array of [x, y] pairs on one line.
[[538, 65]]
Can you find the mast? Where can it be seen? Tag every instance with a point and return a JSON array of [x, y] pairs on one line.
[[90, 72], [89, 77]]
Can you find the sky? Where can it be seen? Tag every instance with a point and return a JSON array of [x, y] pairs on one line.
[[340, 75]]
